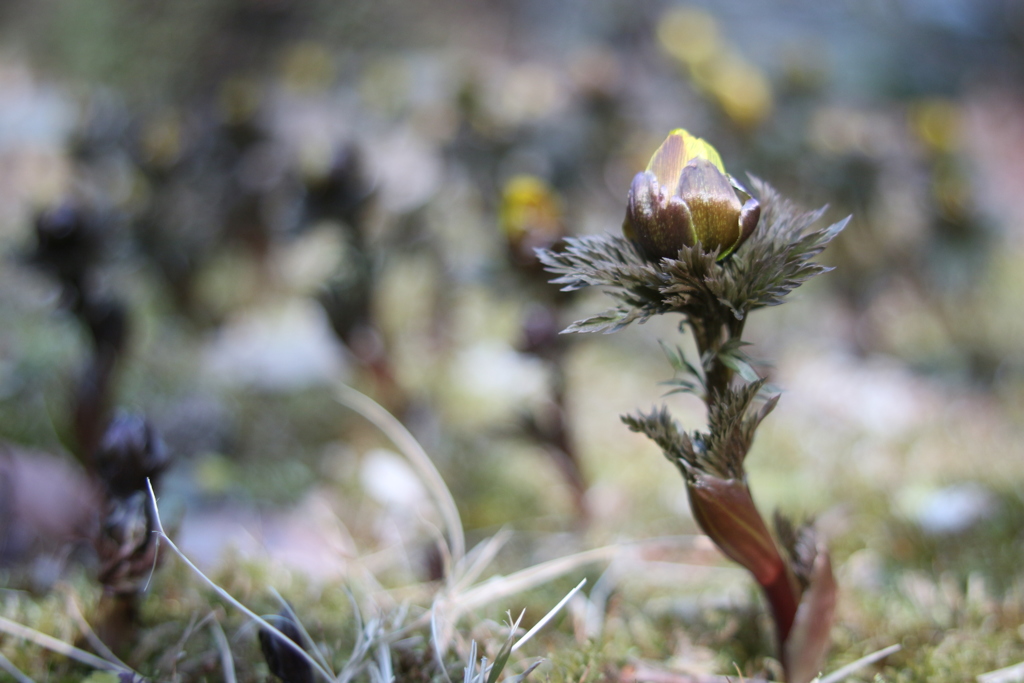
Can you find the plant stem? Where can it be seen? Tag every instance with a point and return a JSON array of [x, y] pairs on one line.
[[782, 597], [710, 335]]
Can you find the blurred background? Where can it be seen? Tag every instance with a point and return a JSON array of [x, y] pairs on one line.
[[285, 194]]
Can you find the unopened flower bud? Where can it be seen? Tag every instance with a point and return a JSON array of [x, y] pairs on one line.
[[284, 660], [130, 452], [685, 197], [68, 241]]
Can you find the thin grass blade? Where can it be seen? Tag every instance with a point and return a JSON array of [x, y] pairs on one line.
[[418, 458], [549, 616], [227, 596]]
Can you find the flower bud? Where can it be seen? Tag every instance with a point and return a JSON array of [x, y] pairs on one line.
[[685, 197], [283, 659], [69, 241], [130, 452]]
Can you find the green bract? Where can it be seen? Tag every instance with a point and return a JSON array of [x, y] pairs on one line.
[[685, 197]]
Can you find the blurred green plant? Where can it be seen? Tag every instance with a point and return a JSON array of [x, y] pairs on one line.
[[675, 259]]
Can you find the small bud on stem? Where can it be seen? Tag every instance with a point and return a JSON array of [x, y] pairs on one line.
[[685, 198]]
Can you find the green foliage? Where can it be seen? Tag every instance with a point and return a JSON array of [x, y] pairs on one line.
[[661, 428], [609, 261], [732, 356], [775, 260], [778, 258], [682, 366], [731, 429], [480, 672], [721, 450]]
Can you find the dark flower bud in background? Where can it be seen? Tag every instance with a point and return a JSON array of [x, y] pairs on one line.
[[685, 197], [68, 242], [282, 659], [126, 545], [130, 452], [339, 190], [540, 332]]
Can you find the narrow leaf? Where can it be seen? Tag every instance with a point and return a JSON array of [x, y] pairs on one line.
[[526, 674], [740, 367], [808, 642], [502, 658]]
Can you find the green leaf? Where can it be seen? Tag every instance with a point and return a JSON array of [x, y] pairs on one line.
[[681, 387], [731, 355], [660, 427], [502, 657], [741, 367], [678, 360], [523, 676], [612, 320], [730, 430]]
